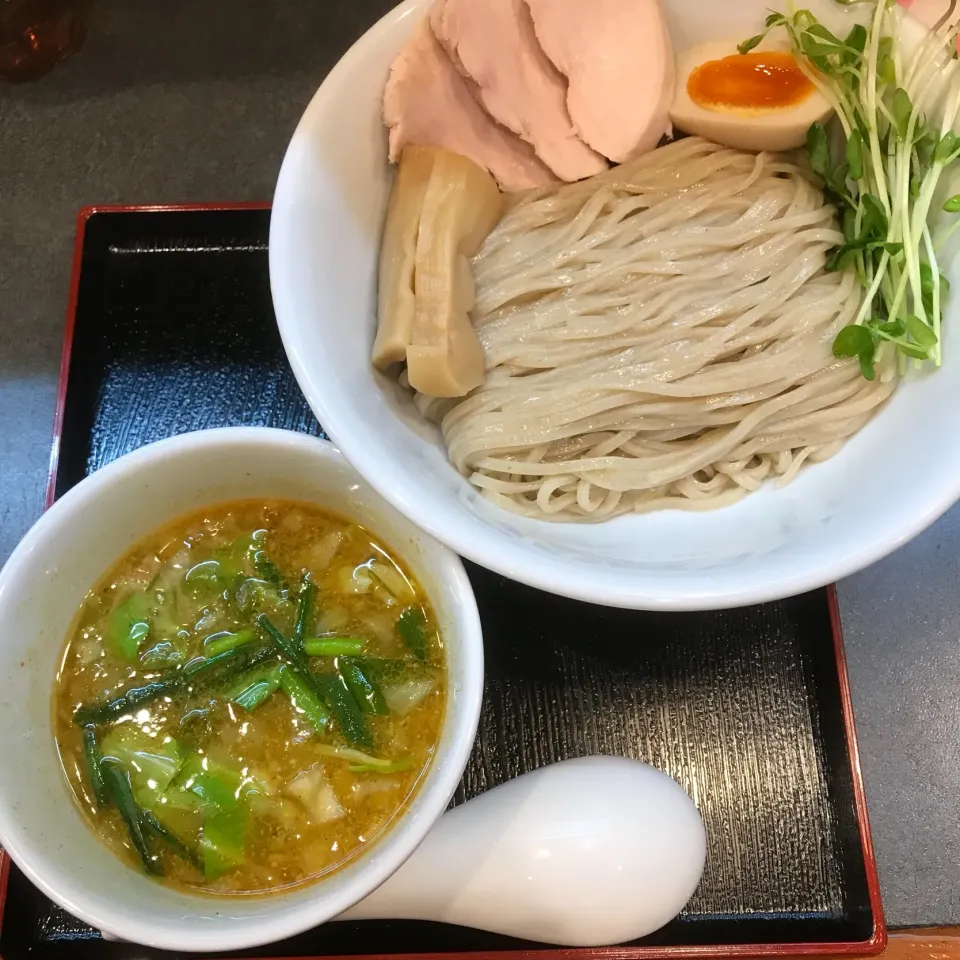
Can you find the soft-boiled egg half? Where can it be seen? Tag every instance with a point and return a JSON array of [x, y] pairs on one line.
[[759, 100]]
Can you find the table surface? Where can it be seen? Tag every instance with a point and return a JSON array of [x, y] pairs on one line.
[[193, 100]]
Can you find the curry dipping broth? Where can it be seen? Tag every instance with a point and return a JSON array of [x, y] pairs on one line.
[[249, 697]]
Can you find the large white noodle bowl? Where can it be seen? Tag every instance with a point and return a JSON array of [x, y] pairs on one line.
[[887, 484]]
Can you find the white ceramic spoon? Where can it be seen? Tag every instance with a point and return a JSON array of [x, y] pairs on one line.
[[587, 852]]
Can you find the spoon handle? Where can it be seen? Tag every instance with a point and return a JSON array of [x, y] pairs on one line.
[[586, 852]]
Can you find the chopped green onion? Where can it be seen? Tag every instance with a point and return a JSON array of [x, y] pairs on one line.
[[364, 690], [283, 645], [352, 754], [252, 692], [332, 646], [181, 849], [304, 611], [268, 570], [224, 641], [332, 690], [345, 709], [396, 767], [93, 758], [117, 782], [410, 626], [201, 672], [387, 670]]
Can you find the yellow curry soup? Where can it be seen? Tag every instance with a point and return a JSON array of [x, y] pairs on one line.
[[249, 697]]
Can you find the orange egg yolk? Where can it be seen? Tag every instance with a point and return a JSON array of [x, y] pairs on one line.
[[765, 80]]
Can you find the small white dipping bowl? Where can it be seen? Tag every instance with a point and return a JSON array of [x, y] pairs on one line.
[[41, 588], [889, 482]]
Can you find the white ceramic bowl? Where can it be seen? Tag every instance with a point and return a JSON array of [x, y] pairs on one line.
[[41, 588], [892, 480]]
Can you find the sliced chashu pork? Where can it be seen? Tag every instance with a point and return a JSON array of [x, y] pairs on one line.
[[426, 102], [617, 59], [492, 43]]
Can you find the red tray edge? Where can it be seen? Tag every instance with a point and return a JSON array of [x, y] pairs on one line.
[[874, 945]]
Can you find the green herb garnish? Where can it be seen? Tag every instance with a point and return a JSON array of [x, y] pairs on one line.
[[884, 176]]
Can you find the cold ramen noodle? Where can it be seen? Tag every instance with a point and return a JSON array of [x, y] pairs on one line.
[[703, 268], [249, 697]]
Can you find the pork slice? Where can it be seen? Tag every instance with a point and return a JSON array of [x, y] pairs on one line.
[[427, 103], [492, 43], [618, 61]]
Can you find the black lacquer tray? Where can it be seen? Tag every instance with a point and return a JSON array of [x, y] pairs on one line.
[[170, 328]]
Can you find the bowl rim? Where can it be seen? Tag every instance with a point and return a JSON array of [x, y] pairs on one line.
[[374, 866], [475, 538]]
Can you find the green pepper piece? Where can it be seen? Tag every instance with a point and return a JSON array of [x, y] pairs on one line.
[[222, 842], [151, 762], [303, 698], [128, 625]]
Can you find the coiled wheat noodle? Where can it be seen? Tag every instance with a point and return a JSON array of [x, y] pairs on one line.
[[658, 336]]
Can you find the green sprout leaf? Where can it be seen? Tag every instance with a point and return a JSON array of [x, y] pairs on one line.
[[815, 48], [853, 341], [892, 248], [921, 333], [818, 151], [748, 45], [841, 257], [874, 223], [886, 71], [912, 350], [849, 225], [823, 35], [838, 180], [855, 155], [953, 204], [901, 107], [947, 149], [857, 37], [927, 285], [892, 329], [866, 365], [774, 20]]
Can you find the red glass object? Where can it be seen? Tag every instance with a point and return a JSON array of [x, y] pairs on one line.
[[37, 34]]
